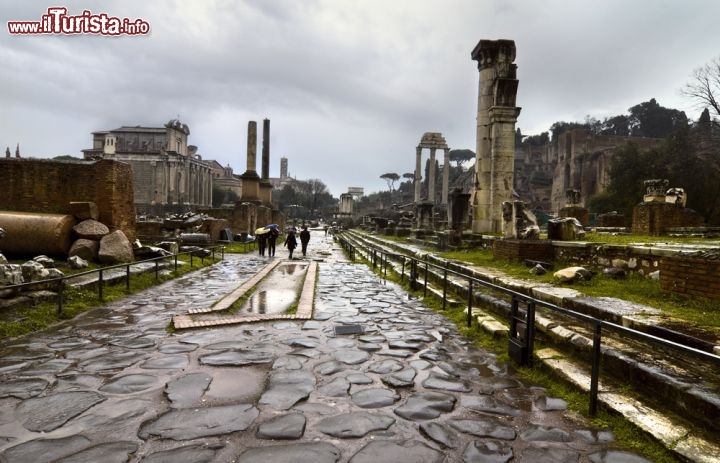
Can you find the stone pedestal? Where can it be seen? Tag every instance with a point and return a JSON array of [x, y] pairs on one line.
[[565, 229], [458, 211], [578, 212], [653, 218], [424, 215]]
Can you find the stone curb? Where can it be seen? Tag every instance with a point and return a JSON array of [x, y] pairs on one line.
[[304, 307]]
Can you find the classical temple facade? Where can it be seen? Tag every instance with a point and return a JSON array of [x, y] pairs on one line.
[[168, 174]]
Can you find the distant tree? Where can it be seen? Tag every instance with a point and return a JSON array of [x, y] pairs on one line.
[[704, 88], [390, 178], [649, 119], [67, 157], [537, 140], [561, 127], [615, 125], [461, 156], [7, 151], [409, 175]]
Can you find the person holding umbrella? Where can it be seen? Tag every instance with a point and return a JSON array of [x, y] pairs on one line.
[[272, 238], [261, 236], [291, 241]]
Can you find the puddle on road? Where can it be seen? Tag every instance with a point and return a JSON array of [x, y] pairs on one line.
[[278, 291]]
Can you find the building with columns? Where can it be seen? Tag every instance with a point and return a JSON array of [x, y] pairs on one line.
[[168, 175]]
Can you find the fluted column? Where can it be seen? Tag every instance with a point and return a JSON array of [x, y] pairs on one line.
[[431, 180], [446, 176], [418, 177]]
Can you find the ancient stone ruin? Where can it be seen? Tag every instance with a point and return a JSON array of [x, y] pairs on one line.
[[662, 209], [496, 117]]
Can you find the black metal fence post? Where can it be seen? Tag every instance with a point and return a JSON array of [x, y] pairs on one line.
[[444, 288], [61, 288], [595, 375], [470, 298], [402, 271], [100, 284], [156, 270], [176, 263], [425, 283], [127, 278]]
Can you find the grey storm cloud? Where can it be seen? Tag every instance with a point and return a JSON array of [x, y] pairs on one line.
[[350, 87]]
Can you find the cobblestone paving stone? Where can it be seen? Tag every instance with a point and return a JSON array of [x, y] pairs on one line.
[[115, 386]]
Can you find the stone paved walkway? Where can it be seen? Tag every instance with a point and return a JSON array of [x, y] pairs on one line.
[[115, 386]]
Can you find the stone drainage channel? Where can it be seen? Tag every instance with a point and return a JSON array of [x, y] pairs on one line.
[[114, 385], [674, 383]]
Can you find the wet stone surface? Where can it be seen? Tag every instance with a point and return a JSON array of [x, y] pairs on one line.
[[115, 386]]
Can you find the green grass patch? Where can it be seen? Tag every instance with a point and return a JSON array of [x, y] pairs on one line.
[[697, 311], [30, 318]]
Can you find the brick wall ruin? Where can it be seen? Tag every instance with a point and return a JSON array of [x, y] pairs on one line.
[[43, 185], [694, 276]]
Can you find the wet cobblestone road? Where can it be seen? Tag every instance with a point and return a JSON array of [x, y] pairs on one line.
[[114, 386]]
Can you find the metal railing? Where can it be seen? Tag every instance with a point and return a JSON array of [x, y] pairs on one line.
[[524, 317], [59, 284]]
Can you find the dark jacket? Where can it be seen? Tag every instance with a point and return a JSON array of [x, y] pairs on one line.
[[290, 241], [304, 236]]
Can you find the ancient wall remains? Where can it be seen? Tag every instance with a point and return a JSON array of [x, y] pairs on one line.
[[41, 185], [694, 276], [655, 218]]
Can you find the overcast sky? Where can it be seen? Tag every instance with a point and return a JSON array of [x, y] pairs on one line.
[[349, 86]]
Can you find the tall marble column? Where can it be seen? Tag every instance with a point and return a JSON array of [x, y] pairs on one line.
[[265, 185], [418, 177], [250, 178], [446, 176], [495, 143], [431, 180]]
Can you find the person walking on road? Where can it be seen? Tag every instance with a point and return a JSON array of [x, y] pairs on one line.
[[272, 238], [291, 242], [261, 242], [304, 239]]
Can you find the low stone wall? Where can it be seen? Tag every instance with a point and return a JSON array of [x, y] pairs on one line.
[[521, 250], [695, 276], [641, 259]]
